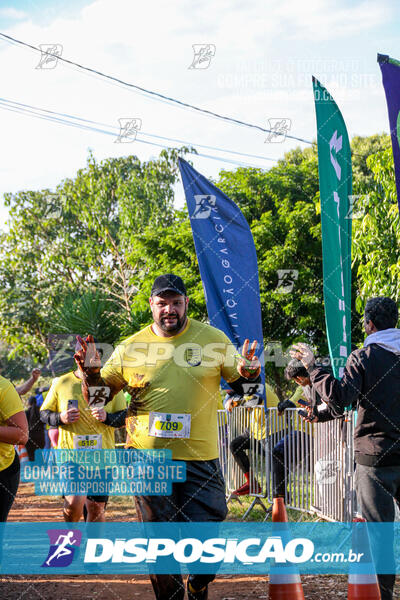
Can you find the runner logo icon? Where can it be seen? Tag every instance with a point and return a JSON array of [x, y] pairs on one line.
[[205, 203], [62, 547]]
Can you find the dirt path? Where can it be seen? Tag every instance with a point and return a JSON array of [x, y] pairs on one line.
[[127, 588]]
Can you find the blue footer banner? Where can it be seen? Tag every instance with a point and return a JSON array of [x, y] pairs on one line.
[[226, 548]]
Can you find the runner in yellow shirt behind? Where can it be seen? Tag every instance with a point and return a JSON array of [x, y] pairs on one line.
[[13, 430], [82, 426]]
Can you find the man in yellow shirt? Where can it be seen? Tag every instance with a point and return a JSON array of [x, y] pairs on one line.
[[174, 368], [82, 425], [13, 430]]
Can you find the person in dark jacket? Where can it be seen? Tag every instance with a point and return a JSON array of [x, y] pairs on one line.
[[371, 384], [316, 410]]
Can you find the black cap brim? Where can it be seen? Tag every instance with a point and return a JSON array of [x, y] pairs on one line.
[[167, 289]]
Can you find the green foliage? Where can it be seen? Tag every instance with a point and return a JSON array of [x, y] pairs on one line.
[[171, 250], [281, 206], [362, 148], [376, 234], [84, 259], [80, 238], [89, 313], [14, 367]]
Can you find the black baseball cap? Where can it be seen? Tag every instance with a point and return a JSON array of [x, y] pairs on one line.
[[168, 283]]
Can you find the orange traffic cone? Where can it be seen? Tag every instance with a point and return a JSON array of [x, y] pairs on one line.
[[362, 586], [22, 453], [279, 514], [283, 586]]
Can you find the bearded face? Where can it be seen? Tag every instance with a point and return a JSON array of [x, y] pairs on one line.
[[169, 311]]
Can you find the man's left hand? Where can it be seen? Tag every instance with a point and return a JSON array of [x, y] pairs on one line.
[[99, 414], [249, 366]]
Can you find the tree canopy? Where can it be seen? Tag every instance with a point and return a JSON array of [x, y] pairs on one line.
[[85, 255]]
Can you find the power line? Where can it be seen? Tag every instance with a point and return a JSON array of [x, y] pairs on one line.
[[157, 95], [7, 105], [16, 104]]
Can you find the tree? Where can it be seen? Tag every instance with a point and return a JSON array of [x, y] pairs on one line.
[[88, 314], [376, 234], [281, 206], [13, 367], [171, 250], [113, 228], [283, 210], [361, 149], [79, 238]]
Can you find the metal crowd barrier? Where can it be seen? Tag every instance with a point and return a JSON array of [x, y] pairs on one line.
[[334, 494], [298, 458], [223, 447], [318, 460], [230, 426]]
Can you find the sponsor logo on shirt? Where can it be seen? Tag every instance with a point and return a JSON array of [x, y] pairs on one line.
[[193, 356]]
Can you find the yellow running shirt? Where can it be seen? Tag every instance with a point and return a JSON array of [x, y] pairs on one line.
[[10, 404], [257, 416], [68, 387], [184, 374]]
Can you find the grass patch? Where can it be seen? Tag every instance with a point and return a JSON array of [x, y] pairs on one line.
[[257, 514]]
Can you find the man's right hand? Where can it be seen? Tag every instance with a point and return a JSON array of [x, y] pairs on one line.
[[69, 416], [87, 358]]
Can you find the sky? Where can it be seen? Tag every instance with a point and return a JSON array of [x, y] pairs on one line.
[[262, 56]]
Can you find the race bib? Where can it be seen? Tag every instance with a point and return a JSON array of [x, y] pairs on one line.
[[169, 425], [87, 442]]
